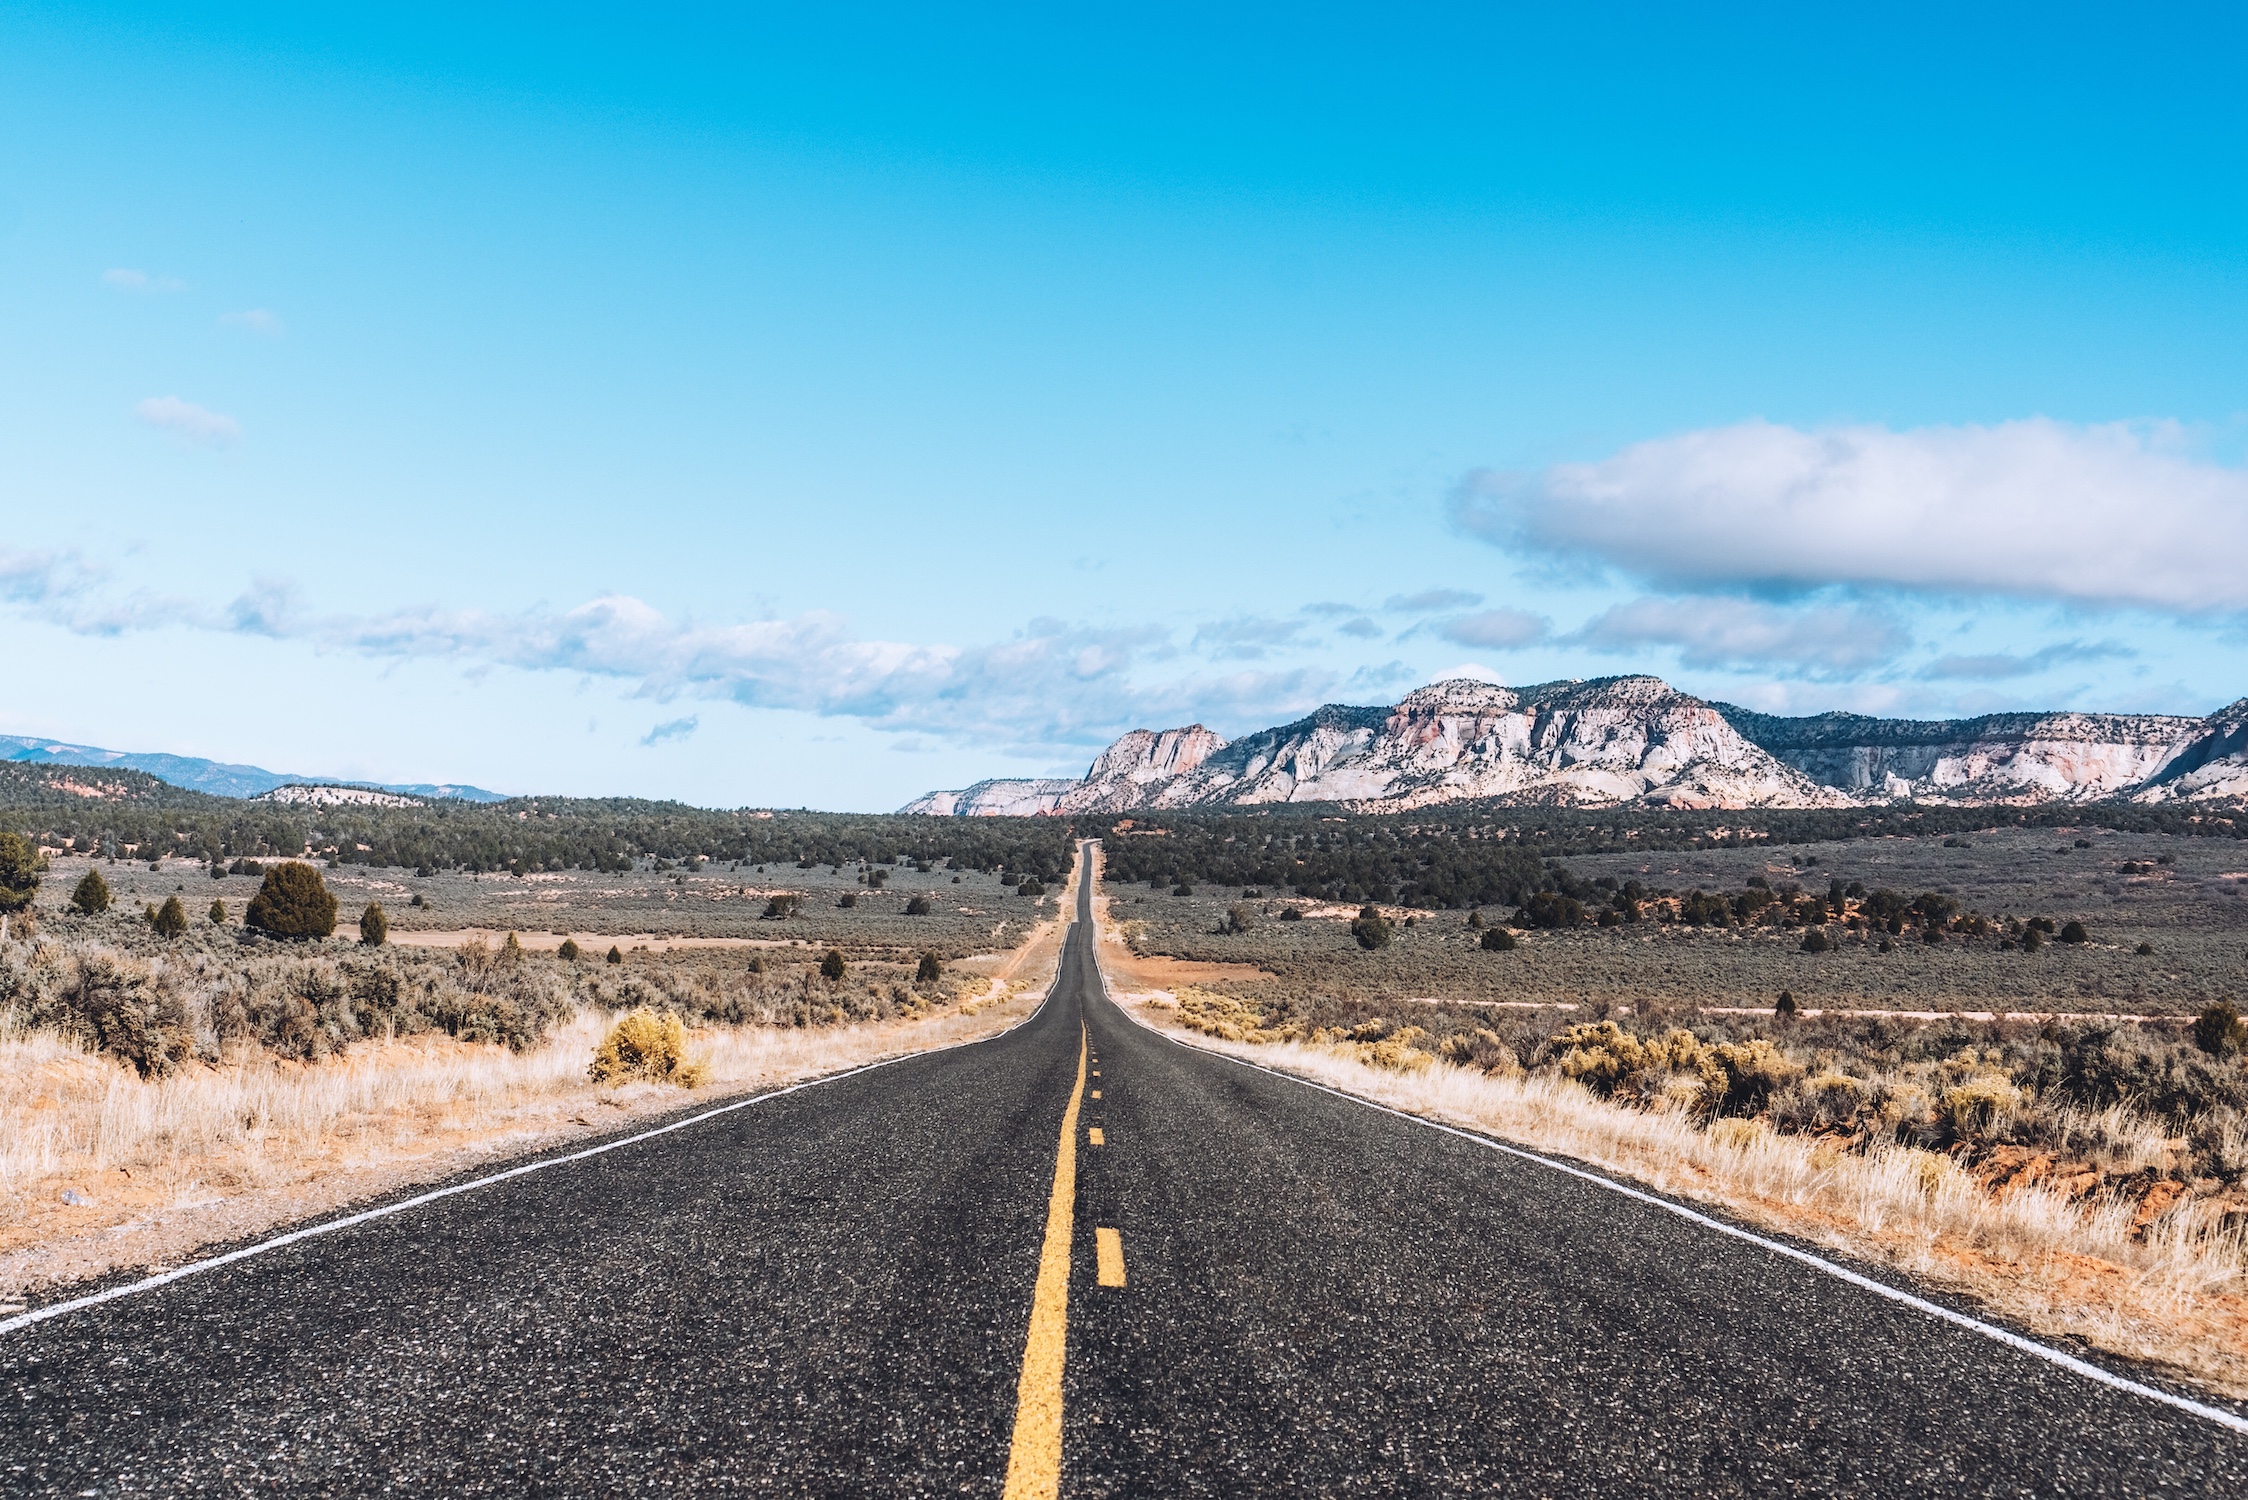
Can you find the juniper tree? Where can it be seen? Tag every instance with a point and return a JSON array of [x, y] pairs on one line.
[[293, 902], [92, 896], [171, 919], [374, 925], [20, 868]]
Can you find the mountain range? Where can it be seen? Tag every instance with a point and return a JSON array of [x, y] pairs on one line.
[[1638, 740], [215, 777]]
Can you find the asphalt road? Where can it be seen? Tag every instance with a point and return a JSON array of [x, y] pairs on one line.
[[829, 1293]]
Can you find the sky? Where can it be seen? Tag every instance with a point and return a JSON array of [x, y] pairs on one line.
[[762, 407]]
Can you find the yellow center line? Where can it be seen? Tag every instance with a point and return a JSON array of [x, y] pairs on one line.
[[1034, 1461], [1108, 1256], [1096, 1093], [1095, 1136]]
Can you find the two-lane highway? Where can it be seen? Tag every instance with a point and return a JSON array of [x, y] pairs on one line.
[[876, 1284]]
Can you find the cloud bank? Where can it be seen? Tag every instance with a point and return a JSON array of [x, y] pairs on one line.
[[2115, 514]]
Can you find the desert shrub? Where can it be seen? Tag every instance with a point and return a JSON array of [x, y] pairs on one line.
[[646, 1044], [374, 925], [217, 913], [1497, 940], [616, 955], [1291, 914], [1035, 888], [847, 901], [1817, 941], [1822, 1101], [1371, 928], [2073, 932], [918, 906], [1978, 1101], [245, 867], [779, 908], [1673, 1068], [2219, 1030], [1754, 1070], [20, 869], [116, 1004], [832, 967], [930, 970], [569, 951], [293, 902], [2107, 1063], [1552, 909], [170, 920], [92, 897], [1238, 919]]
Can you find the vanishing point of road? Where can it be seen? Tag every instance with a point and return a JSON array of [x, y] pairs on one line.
[[1080, 1259]]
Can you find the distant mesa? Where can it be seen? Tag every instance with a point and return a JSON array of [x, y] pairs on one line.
[[216, 777], [1638, 741]]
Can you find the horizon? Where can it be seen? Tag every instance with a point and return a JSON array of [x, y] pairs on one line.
[[768, 410]]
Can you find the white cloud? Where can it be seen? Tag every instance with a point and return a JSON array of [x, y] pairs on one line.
[[2115, 514], [1496, 629], [672, 729], [186, 420], [257, 320], [1428, 601], [1998, 666], [1743, 633], [1246, 638], [128, 280]]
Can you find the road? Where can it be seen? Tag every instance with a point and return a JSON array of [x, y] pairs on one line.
[[831, 1292]]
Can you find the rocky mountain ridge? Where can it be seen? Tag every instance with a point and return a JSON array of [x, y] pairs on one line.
[[1637, 740]]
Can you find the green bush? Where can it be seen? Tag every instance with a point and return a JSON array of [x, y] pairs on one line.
[[1498, 940], [374, 925], [930, 971], [218, 913], [2074, 932], [832, 967], [293, 902], [918, 906], [2219, 1030], [1371, 928], [92, 896], [1817, 941], [171, 919], [615, 956], [20, 869], [568, 952]]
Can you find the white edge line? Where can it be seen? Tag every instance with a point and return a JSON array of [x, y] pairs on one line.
[[200, 1267], [2012, 1340]]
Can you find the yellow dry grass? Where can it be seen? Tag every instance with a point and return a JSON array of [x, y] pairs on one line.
[[211, 1154], [2176, 1297]]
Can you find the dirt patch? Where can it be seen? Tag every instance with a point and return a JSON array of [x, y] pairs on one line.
[[547, 942]]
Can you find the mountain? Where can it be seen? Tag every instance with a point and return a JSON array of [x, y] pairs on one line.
[[1637, 740], [215, 777], [993, 799], [1998, 758], [23, 785]]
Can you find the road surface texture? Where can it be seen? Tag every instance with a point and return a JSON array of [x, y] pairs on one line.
[[831, 1292]]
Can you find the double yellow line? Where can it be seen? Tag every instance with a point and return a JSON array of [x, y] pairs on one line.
[[1034, 1463]]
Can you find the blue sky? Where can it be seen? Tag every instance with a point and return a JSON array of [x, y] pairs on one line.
[[788, 409]]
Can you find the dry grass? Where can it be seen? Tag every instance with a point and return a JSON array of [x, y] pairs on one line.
[[2176, 1296], [215, 1153]]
